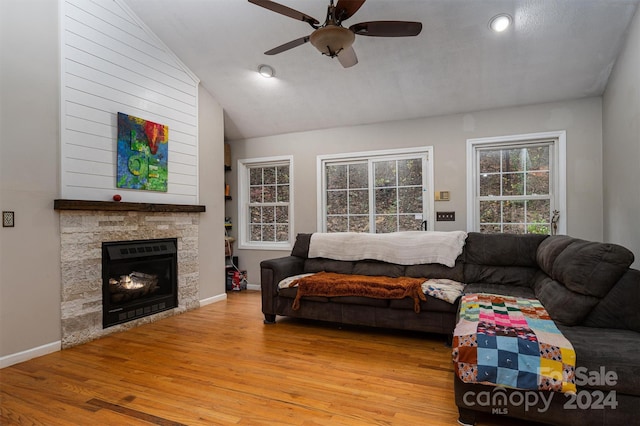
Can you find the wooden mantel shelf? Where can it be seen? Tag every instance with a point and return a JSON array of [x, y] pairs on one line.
[[124, 207]]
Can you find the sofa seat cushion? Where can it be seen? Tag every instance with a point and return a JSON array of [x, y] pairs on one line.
[[431, 305], [506, 290], [611, 350], [363, 301], [291, 293]]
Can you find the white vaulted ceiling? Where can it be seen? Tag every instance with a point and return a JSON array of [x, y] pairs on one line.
[[555, 50]]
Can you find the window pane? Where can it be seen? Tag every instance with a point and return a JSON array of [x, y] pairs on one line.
[[282, 193], [539, 211], [538, 158], [538, 183], [512, 160], [513, 229], [337, 202], [282, 214], [410, 172], [513, 184], [256, 233], [490, 212], [269, 175], [490, 229], [256, 214], [386, 224], [255, 194], [358, 176], [386, 200], [283, 174], [410, 200], [268, 233], [359, 202], [409, 223], [385, 173], [282, 233], [269, 194], [513, 211], [359, 223], [337, 224], [337, 177], [268, 214], [489, 161], [490, 185], [255, 176]]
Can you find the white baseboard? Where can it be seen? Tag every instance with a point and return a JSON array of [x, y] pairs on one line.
[[253, 287], [214, 299], [19, 357]]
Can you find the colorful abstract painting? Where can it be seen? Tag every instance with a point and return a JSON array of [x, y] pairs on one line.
[[142, 154]]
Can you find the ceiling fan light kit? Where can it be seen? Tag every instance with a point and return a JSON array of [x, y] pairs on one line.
[[331, 38]]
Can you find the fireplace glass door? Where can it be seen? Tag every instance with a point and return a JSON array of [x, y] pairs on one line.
[[139, 278]]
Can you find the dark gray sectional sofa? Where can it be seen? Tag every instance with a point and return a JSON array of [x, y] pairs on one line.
[[586, 287]]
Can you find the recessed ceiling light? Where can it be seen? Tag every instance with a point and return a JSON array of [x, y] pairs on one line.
[[266, 71], [500, 23]]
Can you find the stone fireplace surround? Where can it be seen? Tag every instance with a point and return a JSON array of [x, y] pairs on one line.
[[84, 225]]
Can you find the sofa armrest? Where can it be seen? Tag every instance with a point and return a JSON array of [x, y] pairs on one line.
[[273, 271]]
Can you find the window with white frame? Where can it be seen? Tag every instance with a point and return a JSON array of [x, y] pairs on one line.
[[376, 192], [265, 209], [516, 184]]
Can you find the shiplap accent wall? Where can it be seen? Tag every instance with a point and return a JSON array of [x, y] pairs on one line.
[[111, 62]]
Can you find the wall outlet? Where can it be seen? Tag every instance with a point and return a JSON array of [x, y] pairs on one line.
[[445, 216]]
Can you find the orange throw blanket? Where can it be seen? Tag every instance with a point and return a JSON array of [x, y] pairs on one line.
[[330, 284]]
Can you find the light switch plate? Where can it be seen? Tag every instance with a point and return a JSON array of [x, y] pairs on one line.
[[7, 219], [445, 216]]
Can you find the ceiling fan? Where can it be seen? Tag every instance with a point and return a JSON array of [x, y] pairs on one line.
[[331, 38]]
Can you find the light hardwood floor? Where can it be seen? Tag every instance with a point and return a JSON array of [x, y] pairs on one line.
[[220, 365]]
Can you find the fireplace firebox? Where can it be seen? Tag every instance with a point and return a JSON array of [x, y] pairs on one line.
[[139, 278]]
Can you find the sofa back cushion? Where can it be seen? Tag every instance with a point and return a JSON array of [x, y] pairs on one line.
[[320, 264], [585, 267], [563, 305], [301, 246], [576, 274], [501, 258], [436, 270], [377, 268]]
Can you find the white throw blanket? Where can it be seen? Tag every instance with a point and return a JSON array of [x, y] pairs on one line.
[[403, 248]]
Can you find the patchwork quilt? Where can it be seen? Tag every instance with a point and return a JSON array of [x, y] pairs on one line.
[[511, 342]]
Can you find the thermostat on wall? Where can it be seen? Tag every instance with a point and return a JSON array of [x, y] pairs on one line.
[[442, 195]]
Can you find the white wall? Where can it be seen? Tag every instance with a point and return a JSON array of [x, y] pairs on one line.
[[621, 146], [30, 286], [30, 252], [111, 62], [211, 176], [448, 134]]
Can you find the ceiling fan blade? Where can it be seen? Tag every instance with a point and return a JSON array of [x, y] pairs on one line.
[[286, 11], [387, 28], [348, 57], [346, 8], [290, 45]]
